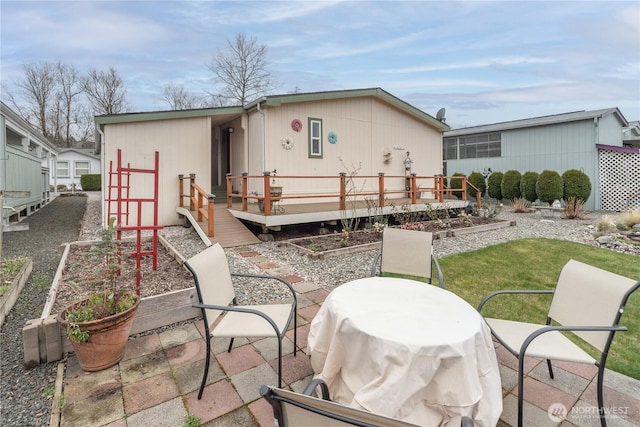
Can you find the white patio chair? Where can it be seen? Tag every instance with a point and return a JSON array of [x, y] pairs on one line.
[[587, 301], [292, 409], [407, 252], [215, 290]]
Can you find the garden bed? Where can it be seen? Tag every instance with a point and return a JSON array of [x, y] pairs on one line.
[[319, 247], [167, 297]]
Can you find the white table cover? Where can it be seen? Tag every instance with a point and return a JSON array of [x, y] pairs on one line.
[[407, 350]]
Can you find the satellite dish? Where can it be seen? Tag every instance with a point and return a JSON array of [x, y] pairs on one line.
[[440, 115]]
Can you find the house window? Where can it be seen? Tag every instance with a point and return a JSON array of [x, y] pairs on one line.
[[472, 147], [62, 169], [80, 168], [315, 138]]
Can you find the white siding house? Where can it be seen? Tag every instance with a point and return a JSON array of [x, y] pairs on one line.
[[322, 133], [559, 142], [71, 164]]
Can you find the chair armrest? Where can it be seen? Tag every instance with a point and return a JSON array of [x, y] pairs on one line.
[[546, 329], [374, 264], [324, 389], [439, 271], [269, 277], [512, 292]]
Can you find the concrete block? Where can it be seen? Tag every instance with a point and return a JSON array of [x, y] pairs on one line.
[[52, 340], [31, 343]]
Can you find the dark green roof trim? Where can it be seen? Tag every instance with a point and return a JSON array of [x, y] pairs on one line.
[[166, 115]]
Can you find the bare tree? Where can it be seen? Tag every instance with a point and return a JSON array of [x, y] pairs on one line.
[[105, 91], [36, 88], [69, 87], [242, 68], [178, 98]]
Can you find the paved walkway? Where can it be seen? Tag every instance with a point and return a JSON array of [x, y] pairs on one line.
[[157, 382]]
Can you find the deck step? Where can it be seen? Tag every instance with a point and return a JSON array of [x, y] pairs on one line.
[[228, 230]]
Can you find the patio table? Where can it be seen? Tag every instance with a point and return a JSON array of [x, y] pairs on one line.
[[407, 350]]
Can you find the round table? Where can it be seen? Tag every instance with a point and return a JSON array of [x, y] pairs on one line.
[[406, 350]]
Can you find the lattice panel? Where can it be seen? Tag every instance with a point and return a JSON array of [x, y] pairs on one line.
[[619, 180]]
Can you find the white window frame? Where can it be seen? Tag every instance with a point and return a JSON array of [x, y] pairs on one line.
[[315, 138], [76, 172], [58, 168]]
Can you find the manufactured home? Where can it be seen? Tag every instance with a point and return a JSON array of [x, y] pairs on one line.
[[229, 150], [26, 159], [590, 141]]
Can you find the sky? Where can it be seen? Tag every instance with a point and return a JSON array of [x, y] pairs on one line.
[[484, 62]]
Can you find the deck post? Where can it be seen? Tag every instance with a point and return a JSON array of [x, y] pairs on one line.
[[464, 188], [229, 190], [210, 199], [180, 189], [381, 189], [413, 188], [267, 193], [343, 191], [192, 180], [244, 192], [439, 181]]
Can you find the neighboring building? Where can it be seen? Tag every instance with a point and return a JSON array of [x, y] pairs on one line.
[[26, 157], [591, 141], [71, 164], [322, 133]]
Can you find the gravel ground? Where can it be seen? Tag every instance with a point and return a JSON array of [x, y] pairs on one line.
[[23, 392]]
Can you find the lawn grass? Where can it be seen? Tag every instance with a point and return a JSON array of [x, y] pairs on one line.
[[536, 264]]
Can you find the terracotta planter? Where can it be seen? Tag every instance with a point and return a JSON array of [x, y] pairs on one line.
[[107, 339]]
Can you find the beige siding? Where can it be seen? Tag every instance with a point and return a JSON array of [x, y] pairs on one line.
[[365, 128], [184, 147]]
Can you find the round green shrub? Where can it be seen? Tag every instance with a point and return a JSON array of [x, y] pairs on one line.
[[549, 186], [456, 184], [510, 186], [477, 179], [528, 186], [495, 185], [576, 184]]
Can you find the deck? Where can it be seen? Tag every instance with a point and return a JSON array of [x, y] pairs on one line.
[[304, 213]]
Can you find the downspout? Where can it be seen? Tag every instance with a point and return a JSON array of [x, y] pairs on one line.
[[103, 178], [262, 137]]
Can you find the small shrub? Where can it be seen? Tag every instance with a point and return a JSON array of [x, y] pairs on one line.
[[605, 224], [477, 180], [528, 186], [574, 208], [630, 217], [521, 205], [549, 186], [576, 184], [494, 184], [510, 186], [62, 187], [91, 182], [488, 210], [456, 184]]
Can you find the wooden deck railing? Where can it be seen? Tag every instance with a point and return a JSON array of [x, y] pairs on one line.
[[347, 188], [197, 197]]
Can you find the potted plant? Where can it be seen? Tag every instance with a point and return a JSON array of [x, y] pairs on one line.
[[98, 326]]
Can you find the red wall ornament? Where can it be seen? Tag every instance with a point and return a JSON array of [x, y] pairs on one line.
[[296, 125]]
